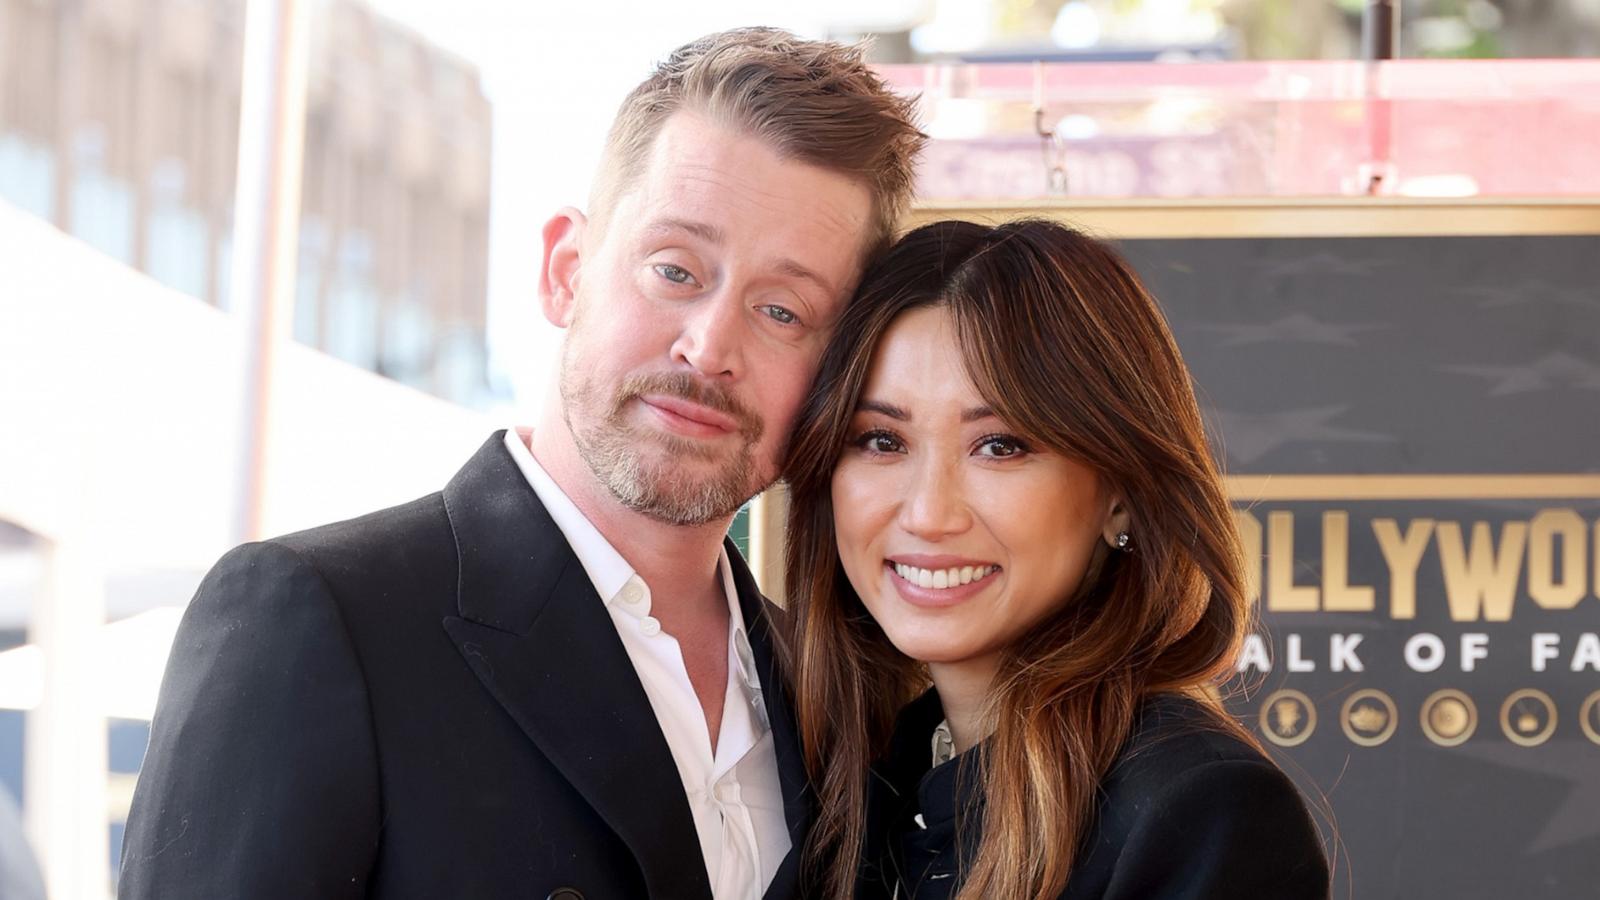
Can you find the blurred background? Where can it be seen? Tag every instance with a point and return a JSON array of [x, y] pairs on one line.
[[220, 319]]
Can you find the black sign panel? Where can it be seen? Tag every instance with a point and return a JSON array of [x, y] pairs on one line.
[[1411, 427]]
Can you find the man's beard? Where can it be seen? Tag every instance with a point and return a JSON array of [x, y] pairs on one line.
[[650, 481]]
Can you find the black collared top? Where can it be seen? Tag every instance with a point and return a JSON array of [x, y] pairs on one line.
[[1187, 811]]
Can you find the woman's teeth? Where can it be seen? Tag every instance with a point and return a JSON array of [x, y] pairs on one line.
[[942, 578]]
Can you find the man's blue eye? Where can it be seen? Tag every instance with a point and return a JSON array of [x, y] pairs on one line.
[[674, 274]]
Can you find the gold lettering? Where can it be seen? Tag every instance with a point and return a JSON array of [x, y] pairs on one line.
[[1283, 595], [1250, 539], [1338, 594], [1403, 553], [1543, 531], [1482, 582]]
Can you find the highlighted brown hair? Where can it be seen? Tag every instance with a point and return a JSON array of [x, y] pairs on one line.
[[813, 101], [1067, 347]]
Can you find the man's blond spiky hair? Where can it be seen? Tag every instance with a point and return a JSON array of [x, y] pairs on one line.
[[812, 101]]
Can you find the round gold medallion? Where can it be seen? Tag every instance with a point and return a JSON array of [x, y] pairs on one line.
[[1589, 717], [1288, 717], [1449, 717], [1528, 717], [1368, 717]]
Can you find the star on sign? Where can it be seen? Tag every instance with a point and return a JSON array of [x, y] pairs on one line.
[[1249, 436], [1527, 292], [1298, 328], [1550, 371], [1322, 263], [1574, 821]]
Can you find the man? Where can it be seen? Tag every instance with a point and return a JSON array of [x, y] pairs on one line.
[[554, 678]]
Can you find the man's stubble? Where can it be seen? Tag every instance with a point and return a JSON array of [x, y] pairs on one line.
[[644, 470]]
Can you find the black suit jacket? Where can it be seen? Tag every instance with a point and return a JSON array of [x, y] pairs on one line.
[[1187, 812], [425, 702]]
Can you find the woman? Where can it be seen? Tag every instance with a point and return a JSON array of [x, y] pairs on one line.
[[1001, 485]]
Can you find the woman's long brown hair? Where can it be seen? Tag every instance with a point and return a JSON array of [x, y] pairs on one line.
[[1068, 348]]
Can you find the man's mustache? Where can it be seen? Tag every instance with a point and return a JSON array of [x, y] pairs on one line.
[[687, 387]]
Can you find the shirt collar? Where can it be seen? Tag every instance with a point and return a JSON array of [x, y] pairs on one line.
[[606, 568]]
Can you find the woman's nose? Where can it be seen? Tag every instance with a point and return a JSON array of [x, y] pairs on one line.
[[935, 504]]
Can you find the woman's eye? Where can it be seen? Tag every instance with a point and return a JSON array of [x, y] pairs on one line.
[[674, 274], [878, 442], [780, 315], [1001, 446]]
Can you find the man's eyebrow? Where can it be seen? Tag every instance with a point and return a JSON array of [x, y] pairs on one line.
[[711, 234], [794, 270], [888, 409], [706, 232]]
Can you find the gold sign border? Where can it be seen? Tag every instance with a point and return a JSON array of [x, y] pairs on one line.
[[1414, 487], [1295, 217], [1285, 217]]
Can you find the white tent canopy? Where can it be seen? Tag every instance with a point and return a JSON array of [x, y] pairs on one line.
[[119, 406], [118, 409]]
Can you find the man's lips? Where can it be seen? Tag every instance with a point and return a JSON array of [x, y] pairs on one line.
[[686, 415]]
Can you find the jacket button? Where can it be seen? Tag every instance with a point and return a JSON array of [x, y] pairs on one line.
[[565, 894]]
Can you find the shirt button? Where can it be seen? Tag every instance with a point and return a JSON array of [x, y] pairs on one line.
[[650, 626], [632, 594]]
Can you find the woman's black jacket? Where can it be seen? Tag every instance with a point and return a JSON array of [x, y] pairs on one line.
[[1186, 812]]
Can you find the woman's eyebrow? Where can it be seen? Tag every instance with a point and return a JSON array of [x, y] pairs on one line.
[[888, 409], [894, 412]]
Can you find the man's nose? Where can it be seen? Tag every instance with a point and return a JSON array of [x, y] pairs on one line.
[[935, 504], [712, 334]]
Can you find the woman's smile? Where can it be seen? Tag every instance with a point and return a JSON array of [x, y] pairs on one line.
[[939, 581]]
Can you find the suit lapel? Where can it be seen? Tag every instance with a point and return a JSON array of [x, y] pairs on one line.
[[798, 798], [542, 643]]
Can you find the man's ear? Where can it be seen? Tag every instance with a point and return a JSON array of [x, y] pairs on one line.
[[1118, 523], [563, 259]]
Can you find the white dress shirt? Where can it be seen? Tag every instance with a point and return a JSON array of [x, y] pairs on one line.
[[734, 794]]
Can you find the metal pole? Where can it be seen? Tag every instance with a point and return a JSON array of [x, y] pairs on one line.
[[1380, 39], [65, 746], [266, 225], [1380, 30]]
